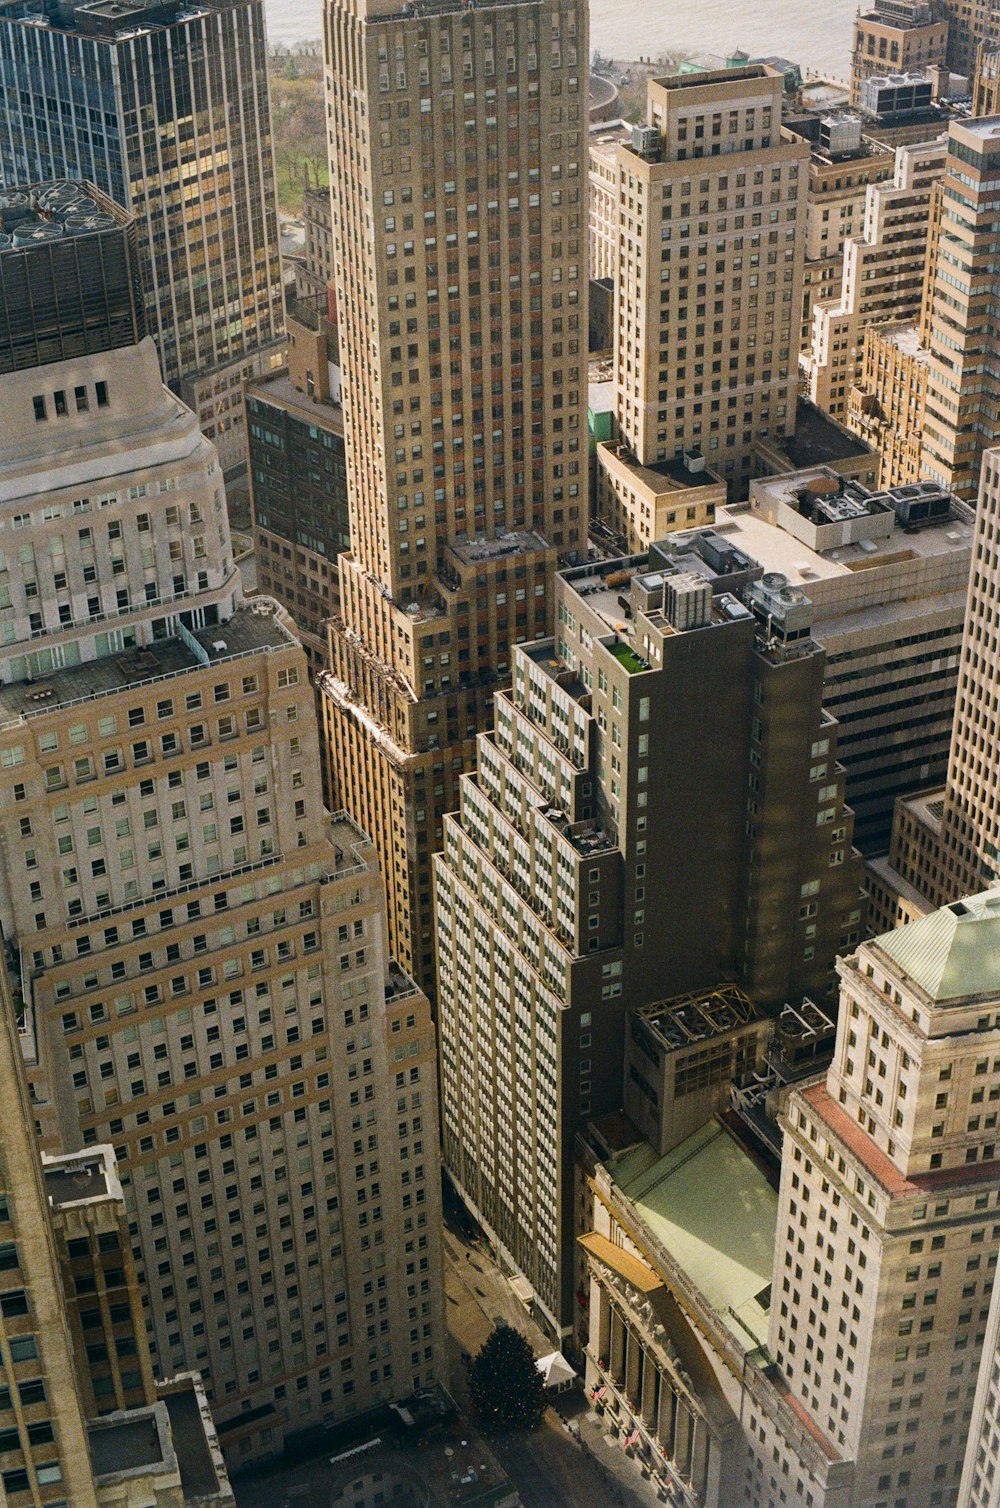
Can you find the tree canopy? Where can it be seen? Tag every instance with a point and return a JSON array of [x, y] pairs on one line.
[[506, 1387]]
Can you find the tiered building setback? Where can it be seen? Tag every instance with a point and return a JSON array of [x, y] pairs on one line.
[[655, 724]]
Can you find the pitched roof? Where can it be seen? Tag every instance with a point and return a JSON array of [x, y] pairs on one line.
[[953, 953]]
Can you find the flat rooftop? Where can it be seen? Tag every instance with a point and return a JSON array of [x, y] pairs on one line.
[[777, 550], [724, 1244], [245, 630], [126, 1443], [520, 542], [905, 338], [819, 438], [76, 1177], [199, 1478], [699, 1016], [278, 388], [106, 20], [673, 475]]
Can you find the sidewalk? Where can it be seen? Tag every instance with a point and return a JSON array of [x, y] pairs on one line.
[[567, 1463]]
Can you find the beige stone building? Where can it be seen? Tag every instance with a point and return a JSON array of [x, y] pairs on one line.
[[459, 166], [897, 36], [962, 316], [644, 503], [882, 275], [199, 949], [606, 137], [709, 277], [887, 402], [945, 838], [82, 1422], [818, 1346], [843, 164]]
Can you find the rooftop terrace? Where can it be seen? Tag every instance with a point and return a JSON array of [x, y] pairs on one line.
[[248, 631]]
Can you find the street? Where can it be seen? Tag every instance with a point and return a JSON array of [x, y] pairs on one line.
[[551, 1468]]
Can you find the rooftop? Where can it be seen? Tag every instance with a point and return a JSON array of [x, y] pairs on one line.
[[278, 387], [107, 20], [246, 631], [724, 1244], [818, 438], [750, 530], [126, 1442], [199, 1476], [675, 475], [696, 1017], [954, 953], [76, 1176], [55, 210], [516, 542]]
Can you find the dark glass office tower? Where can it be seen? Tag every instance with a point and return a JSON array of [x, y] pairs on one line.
[[164, 106]]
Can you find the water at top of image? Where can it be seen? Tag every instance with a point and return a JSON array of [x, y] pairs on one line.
[[816, 36]]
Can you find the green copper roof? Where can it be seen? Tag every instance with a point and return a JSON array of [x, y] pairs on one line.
[[712, 1208], [953, 953]]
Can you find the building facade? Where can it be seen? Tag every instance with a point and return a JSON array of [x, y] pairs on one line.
[[890, 1181], [709, 276], [897, 36], [458, 160], [199, 949], [962, 314], [73, 1335], [817, 1346], [882, 275], [656, 723], [298, 476], [166, 110], [888, 400], [887, 575]]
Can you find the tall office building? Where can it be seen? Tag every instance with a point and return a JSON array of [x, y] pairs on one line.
[[458, 161], [890, 1193], [709, 276], [946, 842], [928, 391], [896, 36], [887, 576], [661, 750], [819, 1347], [164, 107], [72, 1334], [961, 320], [980, 1486], [200, 948], [970, 819]]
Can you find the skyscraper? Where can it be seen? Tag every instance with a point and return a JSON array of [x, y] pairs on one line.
[[709, 276], [961, 321], [459, 176], [820, 1347], [661, 750], [165, 108], [882, 275], [199, 947], [72, 1332], [890, 1194]]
